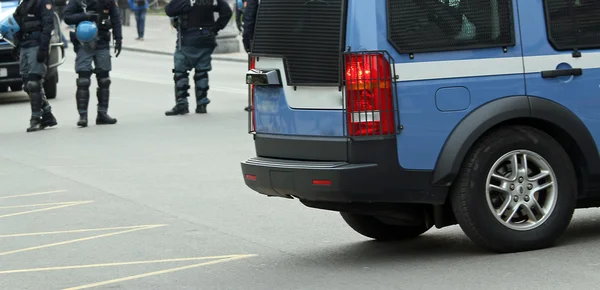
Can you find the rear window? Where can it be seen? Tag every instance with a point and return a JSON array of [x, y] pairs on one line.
[[441, 25], [307, 34]]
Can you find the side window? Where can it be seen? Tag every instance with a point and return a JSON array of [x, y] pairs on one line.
[[573, 23], [442, 25]]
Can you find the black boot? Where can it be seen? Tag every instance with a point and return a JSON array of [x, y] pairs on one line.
[[181, 94], [48, 119], [103, 94], [83, 120], [35, 124], [178, 110], [82, 96], [201, 108]]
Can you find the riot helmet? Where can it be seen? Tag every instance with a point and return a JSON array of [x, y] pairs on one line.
[[8, 28], [86, 31]]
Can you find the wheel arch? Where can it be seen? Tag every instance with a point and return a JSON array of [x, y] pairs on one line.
[[546, 115]]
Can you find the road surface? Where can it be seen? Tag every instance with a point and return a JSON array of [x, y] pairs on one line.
[[158, 202]]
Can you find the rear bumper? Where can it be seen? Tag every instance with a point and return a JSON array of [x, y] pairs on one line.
[[380, 180]]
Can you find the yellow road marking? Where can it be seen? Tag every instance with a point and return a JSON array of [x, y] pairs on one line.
[[45, 209], [39, 204], [32, 194], [78, 240], [71, 231], [120, 264], [160, 272]]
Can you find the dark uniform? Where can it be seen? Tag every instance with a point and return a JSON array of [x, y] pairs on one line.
[[36, 19], [106, 15], [249, 23], [196, 41]]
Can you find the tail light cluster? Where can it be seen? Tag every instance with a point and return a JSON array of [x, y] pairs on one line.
[[251, 103], [369, 98]]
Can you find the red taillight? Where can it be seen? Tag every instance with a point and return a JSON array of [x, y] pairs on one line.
[[322, 182], [369, 98], [250, 177], [252, 65]]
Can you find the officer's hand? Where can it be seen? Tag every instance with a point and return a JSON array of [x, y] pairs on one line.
[[117, 47], [215, 30], [42, 55], [246, 44]]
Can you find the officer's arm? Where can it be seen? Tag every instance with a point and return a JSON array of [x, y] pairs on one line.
[[250, 19], [47, 23], [115, 19], [73, 13], [178, 7], [225, 14]]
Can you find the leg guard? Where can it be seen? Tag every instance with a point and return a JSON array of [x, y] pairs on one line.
[[103, 94], [34, 88], [83, 97], [181, 94], [181, 87], [83, 92], [201, 82]]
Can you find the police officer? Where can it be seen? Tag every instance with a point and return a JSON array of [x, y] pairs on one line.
[[249, 22], [104, 14], [196, 41], [250, 11], [30, 29]]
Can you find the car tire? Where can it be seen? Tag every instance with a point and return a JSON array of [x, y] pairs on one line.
[[50, 88], [371, 227], [16, 88], [3, 89], [502, 217]]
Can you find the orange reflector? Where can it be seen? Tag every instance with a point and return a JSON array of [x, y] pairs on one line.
[[321, 182], [250, 177]]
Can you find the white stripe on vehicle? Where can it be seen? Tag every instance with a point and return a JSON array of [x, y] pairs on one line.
[[435, 70], [332, 98]]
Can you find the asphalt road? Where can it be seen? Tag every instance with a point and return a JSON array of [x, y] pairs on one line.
[[158, 202]]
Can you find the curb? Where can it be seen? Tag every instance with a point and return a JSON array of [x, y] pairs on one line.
[[214, 57]]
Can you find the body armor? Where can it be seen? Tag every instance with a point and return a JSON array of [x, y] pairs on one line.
[[27, 18], [202, 15]]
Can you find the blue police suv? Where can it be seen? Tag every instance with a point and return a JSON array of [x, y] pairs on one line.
[[408, 114]]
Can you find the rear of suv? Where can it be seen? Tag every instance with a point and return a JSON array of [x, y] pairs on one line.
[[407, 114]]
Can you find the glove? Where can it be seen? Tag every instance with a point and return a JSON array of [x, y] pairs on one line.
[[246, 44], [215, 29], [42, 55], [117, 47]]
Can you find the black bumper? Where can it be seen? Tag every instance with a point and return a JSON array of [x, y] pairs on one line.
[[11, 64], [364, 172]]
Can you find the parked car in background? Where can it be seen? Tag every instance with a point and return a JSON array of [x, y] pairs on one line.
[[10, 77]]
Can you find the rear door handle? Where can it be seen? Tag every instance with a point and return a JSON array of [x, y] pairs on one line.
[[561, 73]]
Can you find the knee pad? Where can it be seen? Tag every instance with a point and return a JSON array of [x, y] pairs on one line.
[[178, 75], [103, 82], [200, 75], [34, 86], [83, 82]]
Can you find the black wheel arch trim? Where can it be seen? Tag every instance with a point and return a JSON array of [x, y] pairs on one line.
[[490, 114]]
